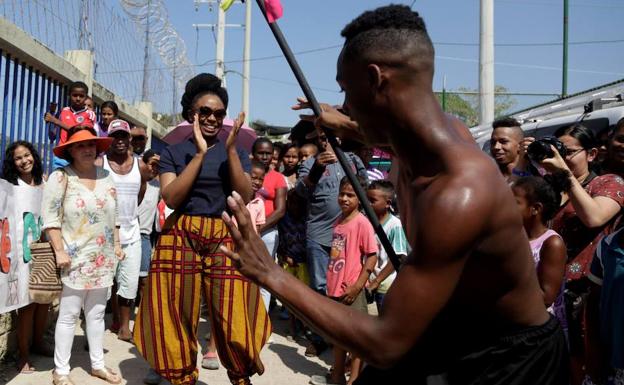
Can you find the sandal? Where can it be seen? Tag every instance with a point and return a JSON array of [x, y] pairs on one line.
[[25, 368], [210, 361], [107, 374], [61, 380]]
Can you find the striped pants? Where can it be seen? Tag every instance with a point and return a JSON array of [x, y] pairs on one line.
[[187, 260]]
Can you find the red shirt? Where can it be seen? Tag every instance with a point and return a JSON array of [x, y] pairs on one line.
[[580, 240], [71, 118], [273, 181]]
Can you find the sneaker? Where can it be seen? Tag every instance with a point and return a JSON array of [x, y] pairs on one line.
[[210, 361], [152, 378]]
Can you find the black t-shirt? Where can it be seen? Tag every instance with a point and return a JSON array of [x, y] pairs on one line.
[[212, 185]]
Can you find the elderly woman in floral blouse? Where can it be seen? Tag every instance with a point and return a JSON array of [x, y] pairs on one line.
[[79, 218]]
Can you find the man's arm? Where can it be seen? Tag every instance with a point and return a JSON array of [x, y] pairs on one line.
[[428, 279]]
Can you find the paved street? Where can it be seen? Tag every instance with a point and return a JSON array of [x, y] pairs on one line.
[[284, 362]]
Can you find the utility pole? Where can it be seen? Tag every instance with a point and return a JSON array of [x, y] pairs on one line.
[[220, 54], [444, 93], [145, 89], [246, 60], [564, 80], [486, 62]]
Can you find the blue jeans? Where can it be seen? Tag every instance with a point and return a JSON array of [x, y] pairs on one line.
[[318, 260], [146, 254], [379, 297], [270, 239]]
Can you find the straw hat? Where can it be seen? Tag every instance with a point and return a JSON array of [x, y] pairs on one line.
[[102, 144]]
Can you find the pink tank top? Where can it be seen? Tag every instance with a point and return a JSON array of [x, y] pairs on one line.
[[558, 307], [536, 244]]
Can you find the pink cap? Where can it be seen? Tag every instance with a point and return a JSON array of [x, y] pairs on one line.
[[118, 125]]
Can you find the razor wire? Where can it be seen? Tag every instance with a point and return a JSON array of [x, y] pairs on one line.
[[153, 19], [118, 41]]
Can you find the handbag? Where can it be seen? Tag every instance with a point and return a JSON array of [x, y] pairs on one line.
[[44, 283], [45, 278]]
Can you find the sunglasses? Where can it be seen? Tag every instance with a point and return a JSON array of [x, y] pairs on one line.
[[139, 137], [206, 112]]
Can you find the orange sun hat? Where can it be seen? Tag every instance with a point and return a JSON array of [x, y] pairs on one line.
[[102, 144]]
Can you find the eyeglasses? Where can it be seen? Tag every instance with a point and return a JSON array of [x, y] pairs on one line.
[[139, 137], [573, 152], [205, 112]]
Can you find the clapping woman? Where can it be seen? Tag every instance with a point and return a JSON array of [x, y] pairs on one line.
[[195, 177]]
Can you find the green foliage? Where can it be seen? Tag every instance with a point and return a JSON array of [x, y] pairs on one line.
[[465, 104]]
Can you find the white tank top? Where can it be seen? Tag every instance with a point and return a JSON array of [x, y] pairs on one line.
[[128, 187]]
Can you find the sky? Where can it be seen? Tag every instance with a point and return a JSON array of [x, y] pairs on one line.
[[528, 51]]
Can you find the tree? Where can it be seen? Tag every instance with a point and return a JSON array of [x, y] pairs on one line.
[[461, 108], [465, 104]]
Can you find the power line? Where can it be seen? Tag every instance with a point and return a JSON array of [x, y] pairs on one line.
[[278, 56], [587, 42], [212, 61]]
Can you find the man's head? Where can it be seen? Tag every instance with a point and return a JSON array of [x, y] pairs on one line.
[[386, 52], [138, 139], [119, 130], [78, 95], [505, 141]]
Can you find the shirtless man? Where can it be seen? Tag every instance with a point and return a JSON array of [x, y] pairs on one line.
[[466, 307]]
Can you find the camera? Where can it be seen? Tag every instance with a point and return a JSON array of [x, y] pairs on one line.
[[540, 149]]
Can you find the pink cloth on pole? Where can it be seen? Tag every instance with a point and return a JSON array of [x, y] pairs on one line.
[[274, 10]]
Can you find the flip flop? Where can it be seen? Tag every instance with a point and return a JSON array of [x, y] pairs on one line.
[[27, 368]]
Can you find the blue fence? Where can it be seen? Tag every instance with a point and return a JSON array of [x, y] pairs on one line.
[[27, 94]]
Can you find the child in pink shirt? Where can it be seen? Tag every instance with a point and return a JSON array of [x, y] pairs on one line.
[[256, 205], [353, 258]]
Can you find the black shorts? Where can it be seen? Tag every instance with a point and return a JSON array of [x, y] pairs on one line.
[[532, 356]]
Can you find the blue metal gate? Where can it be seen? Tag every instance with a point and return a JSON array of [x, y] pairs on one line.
[[27, 94]]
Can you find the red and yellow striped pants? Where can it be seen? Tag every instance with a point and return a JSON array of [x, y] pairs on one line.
[[187, 260]]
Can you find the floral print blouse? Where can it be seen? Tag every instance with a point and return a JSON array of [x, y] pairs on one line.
[[87, 219]]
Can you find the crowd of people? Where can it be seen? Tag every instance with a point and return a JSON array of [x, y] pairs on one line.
[[128, 224], [571, 201], [155, 235]]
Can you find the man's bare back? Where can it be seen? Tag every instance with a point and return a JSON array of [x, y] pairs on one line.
[[466, 308]]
